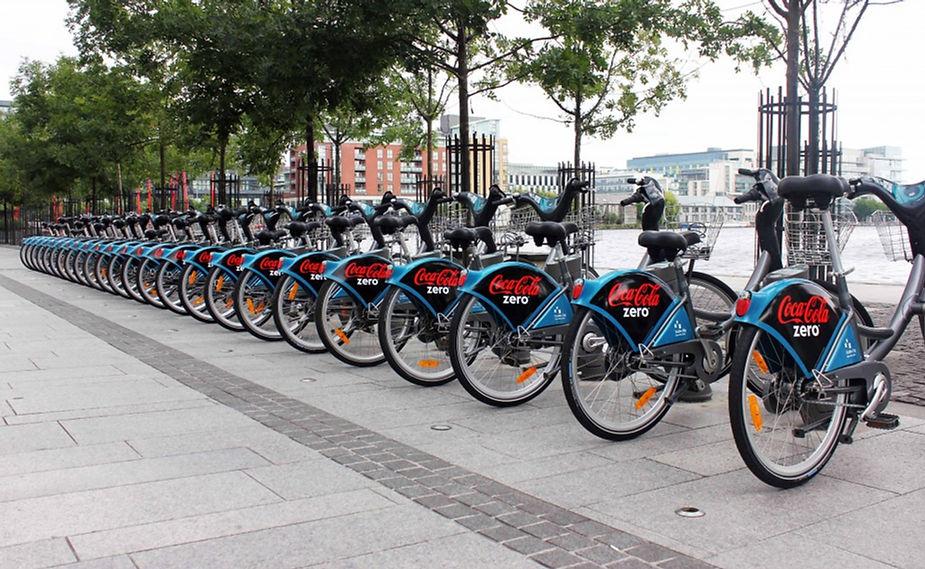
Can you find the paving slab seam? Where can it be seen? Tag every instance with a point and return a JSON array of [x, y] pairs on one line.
[[550, 535]]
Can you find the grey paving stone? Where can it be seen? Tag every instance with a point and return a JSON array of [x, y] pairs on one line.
[[36, 518], [601, 554], [572, 541], [126, 472], [863, 463], [272, 446], [555, 559], [37, 554], [313, 478], [544, 530], [881, 531], [119, 562], [793, 550], [502, 533], [210, 526], [739, 508], [68, 457], [106, 429], [306, 544], [96, 395], [528, 545], [135, 409], [25, 438], [464, 551]]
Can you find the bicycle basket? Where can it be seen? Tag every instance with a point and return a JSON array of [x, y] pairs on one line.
[[709, 233], [805, 234], [893, 236]]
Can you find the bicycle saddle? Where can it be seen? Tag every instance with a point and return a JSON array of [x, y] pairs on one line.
[[461, 237], [265, 237], [664, 245], [299, 228], [820, 188], [550, 232], [391, 224]]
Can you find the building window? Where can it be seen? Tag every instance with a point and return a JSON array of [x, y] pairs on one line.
[[379, 153], [389, 154], [379, 164], [388, 176]]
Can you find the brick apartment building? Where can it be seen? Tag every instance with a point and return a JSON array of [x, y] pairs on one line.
[[368, 171]]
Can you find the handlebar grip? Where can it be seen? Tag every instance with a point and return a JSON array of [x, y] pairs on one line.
[[739, 199], [631, 181], [854, 181], [504, 201], [747, 172]]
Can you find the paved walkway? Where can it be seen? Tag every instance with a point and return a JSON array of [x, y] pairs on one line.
[[137, 438]]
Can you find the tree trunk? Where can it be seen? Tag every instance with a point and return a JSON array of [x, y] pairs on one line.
[[337, 144], [812, 149], [93, 195], [121, 208], [792, 140], [312, 173], [579, 128], [162, 157], [462, 57], [429, 148], [222, 147]]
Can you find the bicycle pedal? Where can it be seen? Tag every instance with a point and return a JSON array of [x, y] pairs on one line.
[[884, 421]]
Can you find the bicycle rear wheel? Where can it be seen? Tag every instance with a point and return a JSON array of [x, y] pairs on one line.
[[495, 365], [253, 302], [294, 315], [193, 293], [220, 299], [347, 327], [607, 389], [147, 282], [786, 427], [413, 343], [167, 284]]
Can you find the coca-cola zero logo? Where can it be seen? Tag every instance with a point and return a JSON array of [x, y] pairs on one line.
[[814, 310], [235, 260], [205, 257], [269, 264], [372, 271], [643, 295], [181, 255], [448, 277], [311, 267], [527, 285]]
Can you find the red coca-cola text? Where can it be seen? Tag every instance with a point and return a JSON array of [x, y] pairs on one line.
[[270, 264], [311, 267], [527, 285], [235, 260], [646, 294], [444, 277], [371, 271], [814, 310]]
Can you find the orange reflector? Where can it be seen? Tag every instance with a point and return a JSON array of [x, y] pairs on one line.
[[293, 291], [429, 363], [198, 300], [192, 278], [229, 303], [250, 306], [104, 273], [759, 361], [526, 374], [641, 402], [755, 411], [219, 282], [343, 337]]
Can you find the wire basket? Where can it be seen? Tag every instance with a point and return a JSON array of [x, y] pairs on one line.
[[893, 236], [449, 216], [806, 240], [709, 232]]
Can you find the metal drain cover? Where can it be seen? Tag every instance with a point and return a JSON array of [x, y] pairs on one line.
[[440, 427], [690, 512]]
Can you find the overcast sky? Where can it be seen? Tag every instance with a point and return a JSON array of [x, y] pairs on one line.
[[880, 85]]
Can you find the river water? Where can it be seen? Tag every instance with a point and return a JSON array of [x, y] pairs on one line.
[[734, 255]]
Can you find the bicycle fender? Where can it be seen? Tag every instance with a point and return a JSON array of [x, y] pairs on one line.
[[176, 255], [806, 319], [364, 277], [201, 257], [641, 306], [517, 292], [267, 264], [231, 261], [157, 253], [308, 269], [433, 282]]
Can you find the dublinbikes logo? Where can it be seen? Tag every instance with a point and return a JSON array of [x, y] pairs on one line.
[[448, 277], [647, 295], [527, 285], [814, 311]]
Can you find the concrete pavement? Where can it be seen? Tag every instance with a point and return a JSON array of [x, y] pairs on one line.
[[137, 438]]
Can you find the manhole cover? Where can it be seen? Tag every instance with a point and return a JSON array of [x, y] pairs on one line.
[[308, 380], [690, 512], [440, 427]]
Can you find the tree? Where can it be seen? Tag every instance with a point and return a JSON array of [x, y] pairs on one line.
[[459, 40], [607, 61], [428, 98], [865, 207], [811, 59]]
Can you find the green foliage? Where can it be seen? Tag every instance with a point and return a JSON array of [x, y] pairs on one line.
[[608, 60], [672, 207], [865, 207]]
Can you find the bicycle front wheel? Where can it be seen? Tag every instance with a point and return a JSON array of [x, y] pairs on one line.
[[495, 364], [347, 327], [253, 301], [785, 426], [193, 293], [220, 299]]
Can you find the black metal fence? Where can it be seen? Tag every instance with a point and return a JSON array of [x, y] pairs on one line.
[[773, 111], [481, 163]]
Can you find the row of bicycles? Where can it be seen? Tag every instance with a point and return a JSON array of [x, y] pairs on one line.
[[443, 290]]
